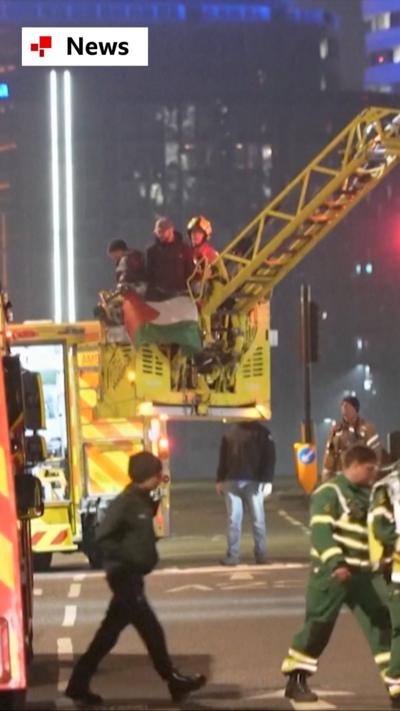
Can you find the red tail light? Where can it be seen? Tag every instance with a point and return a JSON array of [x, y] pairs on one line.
[[163, 447]]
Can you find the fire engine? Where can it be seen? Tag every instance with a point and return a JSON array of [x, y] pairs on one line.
[[88, 445], [21, 502], [106, 399]]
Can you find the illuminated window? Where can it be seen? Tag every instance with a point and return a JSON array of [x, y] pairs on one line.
[[396, 54], [4, 91], [369, 268], [358, 269], [380, 21]]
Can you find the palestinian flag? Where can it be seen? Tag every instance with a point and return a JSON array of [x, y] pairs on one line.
[[172, 321]]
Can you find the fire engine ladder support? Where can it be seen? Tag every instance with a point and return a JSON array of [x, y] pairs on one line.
[[295, 221]]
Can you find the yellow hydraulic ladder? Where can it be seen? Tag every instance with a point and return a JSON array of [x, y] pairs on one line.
[[304, 212]]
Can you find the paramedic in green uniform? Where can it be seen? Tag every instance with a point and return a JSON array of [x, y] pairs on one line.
[[384, 539], [340, 572]]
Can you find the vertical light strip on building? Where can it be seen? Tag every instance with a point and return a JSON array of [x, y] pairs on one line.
[[55, 191], [69, 197]]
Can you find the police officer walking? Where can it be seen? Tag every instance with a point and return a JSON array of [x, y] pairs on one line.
[[127, 540], [351, 429]]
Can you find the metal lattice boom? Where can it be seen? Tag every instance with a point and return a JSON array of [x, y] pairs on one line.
[[297, 219]]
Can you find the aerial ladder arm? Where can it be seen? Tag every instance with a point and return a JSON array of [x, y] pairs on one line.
[[302, 214]]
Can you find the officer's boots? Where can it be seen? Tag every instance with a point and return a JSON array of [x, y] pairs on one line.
[[297, 687], [81, 693], [180, 685]]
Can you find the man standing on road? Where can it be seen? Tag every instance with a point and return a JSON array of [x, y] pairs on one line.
[[351, 429], [340, 574], [245, 474], [127, 540]]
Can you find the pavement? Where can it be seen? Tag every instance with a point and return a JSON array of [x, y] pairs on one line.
[[232, 624]]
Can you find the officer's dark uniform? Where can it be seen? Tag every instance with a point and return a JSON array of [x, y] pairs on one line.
[[127, 540]]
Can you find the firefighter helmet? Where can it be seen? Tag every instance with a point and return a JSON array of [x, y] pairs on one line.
[[200, 223]]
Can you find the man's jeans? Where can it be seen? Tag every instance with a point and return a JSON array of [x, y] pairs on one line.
[[237, 495]]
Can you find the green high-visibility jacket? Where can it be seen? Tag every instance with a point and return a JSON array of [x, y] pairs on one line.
[[384, 524], [339, 534]]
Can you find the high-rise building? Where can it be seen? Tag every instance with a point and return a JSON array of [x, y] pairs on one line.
[[382, 45], [203, 128]]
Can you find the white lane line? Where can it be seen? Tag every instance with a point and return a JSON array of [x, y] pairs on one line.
[[238, 568], [64, 649], [65, 653], [189, 587], [37, 592], [303, 705], [294, 521], [69, 616], [243, 586], [74, 590], [241, 576], [97, 574], [79, 577], [319, 705]]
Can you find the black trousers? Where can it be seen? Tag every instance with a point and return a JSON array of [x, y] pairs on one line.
[[128, 606]]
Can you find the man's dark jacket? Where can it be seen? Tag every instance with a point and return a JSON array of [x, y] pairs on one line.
[[169, 265], [247, 452], [126, 535]]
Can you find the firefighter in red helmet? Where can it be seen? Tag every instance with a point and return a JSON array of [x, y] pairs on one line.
[[199, 231]]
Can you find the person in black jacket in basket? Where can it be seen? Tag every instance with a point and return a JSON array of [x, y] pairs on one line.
[[169, 263], [245, 474], [128, 543]]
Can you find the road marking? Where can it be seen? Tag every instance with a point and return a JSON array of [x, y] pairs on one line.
[[64, 654], [280, 694], [220, 568], [241, 576], [189, 587], [311, 705], [69, 616], [289, 583], [94, 574], [74, 590], [64, 649], [242, 586], [37, 592], [294, 521]]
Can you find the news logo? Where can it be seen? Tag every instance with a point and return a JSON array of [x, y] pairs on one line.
[[84, 47]]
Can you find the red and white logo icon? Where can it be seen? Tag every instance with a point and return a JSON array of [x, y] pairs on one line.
[[44, 43], [84, 46]]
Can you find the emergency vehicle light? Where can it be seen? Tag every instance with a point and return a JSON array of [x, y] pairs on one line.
[[5, 660], [163, 446]]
